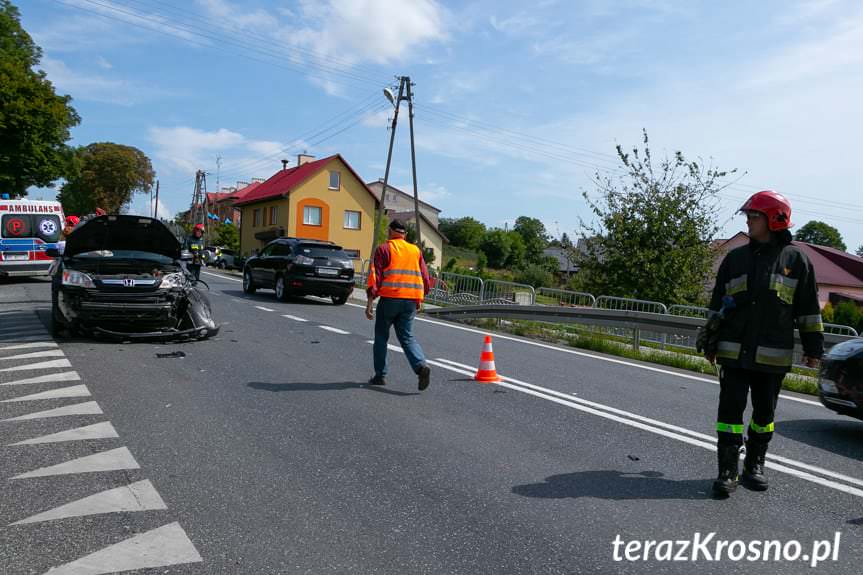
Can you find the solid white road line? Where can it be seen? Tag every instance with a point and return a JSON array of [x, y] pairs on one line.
[[86, 408], [36, 354], [334, 330], [42, 365], [262, 308], [51, 377], [102, 430], [61, 393], [710, 446], [295, 318], [139, 496], [29, 345], [112, 460], [221, 276], [161, 547]]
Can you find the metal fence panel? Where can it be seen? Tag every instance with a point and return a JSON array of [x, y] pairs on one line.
[[508, 293], [454, 289], [840, 329], [629, 304], [549, 296], [689, 311], [361, 272]]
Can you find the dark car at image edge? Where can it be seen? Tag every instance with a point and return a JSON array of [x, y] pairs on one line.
[[299, 267], [840, 381]]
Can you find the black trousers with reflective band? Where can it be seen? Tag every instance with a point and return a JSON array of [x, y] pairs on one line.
[[734, 386]]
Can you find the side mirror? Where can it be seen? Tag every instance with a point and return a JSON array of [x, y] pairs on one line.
[[186, 256], [53, 253]]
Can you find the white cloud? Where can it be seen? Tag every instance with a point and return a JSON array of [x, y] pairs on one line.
[[517, 25], [434, 193], [96, 87], [378, 119], [103, 63]]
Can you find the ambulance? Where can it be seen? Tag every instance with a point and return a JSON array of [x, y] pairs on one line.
[[27, 229]]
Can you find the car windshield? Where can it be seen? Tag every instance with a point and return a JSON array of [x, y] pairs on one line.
[[322, 252], [124, 255]]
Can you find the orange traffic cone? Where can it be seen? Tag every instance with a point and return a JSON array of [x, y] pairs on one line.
[[487, 372]]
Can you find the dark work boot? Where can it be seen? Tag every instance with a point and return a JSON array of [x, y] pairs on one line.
[[726, 483], [753, 466], [423, 377], [377, 380]]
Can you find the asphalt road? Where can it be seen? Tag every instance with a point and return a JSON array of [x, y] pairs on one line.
[[263, 451]]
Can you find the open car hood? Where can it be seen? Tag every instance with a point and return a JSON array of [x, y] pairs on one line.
[[116, 232]]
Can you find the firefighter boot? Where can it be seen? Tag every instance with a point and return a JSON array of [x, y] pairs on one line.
[[726, 483], [753, 466]]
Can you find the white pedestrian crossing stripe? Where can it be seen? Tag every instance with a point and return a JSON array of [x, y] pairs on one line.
[[139, 496], [295, 318], [63, 392], [29, 345], [50, 378], [86, 408], [53, 364], [112, 460], [102, 430], [161, 547], [35, 354]]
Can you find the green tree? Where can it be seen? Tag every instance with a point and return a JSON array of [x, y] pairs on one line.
[[859, 251], [532, 231], [847, 313], [105, 175], [653, 230], [827, 313], [496, 245], [463, 232], [820, 234], [518, 255], [226, 235], [535, 275], [34, 120]]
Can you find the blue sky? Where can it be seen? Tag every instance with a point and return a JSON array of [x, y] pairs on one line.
[[517, 105]]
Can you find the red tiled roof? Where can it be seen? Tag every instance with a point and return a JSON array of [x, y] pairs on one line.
[[283, 181], [849, 262], [826, 270], [243, 192]]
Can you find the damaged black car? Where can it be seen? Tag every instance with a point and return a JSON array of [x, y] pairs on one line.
[[123, 276]]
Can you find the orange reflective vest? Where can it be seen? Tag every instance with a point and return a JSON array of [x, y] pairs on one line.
[[402, 278]]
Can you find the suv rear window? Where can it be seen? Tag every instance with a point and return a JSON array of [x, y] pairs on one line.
[[317, 251], [43, 226]]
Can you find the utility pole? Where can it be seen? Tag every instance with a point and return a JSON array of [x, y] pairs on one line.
[[156, 205], [380, 211], [405, 93]]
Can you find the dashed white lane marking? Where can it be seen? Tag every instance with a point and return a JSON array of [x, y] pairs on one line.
[[592, 356], [86, 408], [223, 277], [35, 354], [239, 300], [63, 392], [262, 308], [102, 430], [161, 547], [139, 496], [295, 318], [334, 330], [50, 378], [111, 460], [29, 345], [57, 363]]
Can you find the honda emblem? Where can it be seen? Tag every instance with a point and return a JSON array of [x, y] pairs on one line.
[[128, 283]]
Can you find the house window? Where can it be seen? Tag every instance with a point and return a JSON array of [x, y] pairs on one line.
[[352, 220], [274, 214], [311, 215], [256, 218], [335, 180]]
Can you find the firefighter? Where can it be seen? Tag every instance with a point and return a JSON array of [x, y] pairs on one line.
[[773, 287], [399, 276], [195, 244]]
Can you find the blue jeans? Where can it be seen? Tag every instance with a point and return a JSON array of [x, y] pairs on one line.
[[399, 313]]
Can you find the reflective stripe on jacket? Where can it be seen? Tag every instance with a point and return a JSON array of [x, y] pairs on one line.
[[402, 278]]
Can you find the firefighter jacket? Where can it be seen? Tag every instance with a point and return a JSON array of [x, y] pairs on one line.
[[196, 246], [774, 289], [398, 271]]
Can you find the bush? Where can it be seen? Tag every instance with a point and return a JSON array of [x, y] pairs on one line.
[[827, 313], [536, 276]]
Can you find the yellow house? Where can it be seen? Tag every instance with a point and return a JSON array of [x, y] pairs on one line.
[[317, 199]]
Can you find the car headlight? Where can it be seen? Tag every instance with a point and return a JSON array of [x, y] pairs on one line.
[[172, 281], [77, 279], [305, 261]]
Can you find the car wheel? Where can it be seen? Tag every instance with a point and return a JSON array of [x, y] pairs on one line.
[[248, 284], [281, 291], [340, 299]]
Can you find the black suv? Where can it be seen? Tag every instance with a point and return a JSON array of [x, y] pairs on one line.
[[298, 267]]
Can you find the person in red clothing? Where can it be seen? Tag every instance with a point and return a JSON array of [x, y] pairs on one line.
[[400, 278]]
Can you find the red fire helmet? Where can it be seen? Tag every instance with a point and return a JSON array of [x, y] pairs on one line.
[[772, 204]]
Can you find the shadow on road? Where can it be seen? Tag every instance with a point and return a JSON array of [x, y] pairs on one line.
[[331, 386], [840, 437], [617, 485]]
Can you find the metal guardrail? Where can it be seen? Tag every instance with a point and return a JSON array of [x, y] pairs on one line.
[[454, 289], [677, 325], [496, 292], [565, 297], [840, 329], [689, 311], [623, 303]]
